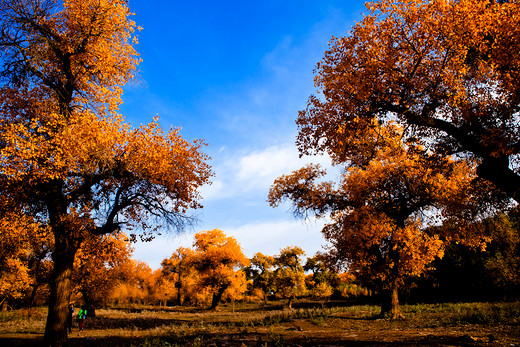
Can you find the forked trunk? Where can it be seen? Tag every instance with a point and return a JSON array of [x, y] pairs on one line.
[[60, 291], [390, 304]]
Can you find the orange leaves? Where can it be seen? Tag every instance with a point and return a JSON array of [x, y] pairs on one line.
[[214, 251], [382, 205], [445, 70], [214, 267]]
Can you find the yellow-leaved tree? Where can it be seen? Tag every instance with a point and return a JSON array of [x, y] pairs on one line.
[[380, 209], [261, 273], [446, 70], [97, 268], [219, 261], [179, 269], [24, 248], [289, 276], [67, 156]]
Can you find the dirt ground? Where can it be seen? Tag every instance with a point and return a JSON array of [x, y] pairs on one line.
[[301, 332], [341, 328]]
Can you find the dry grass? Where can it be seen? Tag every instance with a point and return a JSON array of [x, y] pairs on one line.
[[270, 325]]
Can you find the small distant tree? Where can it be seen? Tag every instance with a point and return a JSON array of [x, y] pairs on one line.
[[260, 272], [96, 268], [322, 279], [178, 269], [289, 276], [136, 285], [217, 259], [237, 288], [502, 256]]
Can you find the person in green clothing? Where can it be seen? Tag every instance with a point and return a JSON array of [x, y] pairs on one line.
[[82, 315]]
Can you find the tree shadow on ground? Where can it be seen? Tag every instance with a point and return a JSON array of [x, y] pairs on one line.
[[245, 339]]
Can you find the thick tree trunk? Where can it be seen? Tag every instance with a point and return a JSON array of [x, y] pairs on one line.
[[390, 304], [178, 285], [289, 302], [497, 171], [216, 297], [60, 291], [89, 306]]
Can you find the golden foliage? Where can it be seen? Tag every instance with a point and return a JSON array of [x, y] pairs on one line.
[[380, 209], [447, 71]]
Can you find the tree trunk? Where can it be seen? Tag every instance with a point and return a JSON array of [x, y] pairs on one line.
[[289, 302], [60, 291], [217, 296], [497, 171], [89, 305], [178, 285], [390, 304]]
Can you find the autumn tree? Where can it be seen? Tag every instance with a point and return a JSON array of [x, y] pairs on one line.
[[23, 257], [502, 257], [67, 156], [164, 290], [289, 276], [179, 269], [218, 259], [261, 273], [379, 209], [447, 71], [97, 268], [322, 279], [136, 283]]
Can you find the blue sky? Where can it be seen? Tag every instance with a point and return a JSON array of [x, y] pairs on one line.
[[235, 73]]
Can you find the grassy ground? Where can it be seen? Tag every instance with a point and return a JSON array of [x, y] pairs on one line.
[[459, 324]]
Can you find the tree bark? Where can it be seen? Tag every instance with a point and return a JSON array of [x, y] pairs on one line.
[[289, 302], [217, 296], [390, 304], [60, 291], [497, 171], [178, 285]]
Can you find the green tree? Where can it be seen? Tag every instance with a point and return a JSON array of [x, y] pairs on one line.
[[289, 276], [260, 272], [323, 279]]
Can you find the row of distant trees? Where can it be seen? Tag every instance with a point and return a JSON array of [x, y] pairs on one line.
[[215, 270]]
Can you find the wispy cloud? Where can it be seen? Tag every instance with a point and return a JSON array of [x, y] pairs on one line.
[[269, 237], [255, 171], [265, 237]]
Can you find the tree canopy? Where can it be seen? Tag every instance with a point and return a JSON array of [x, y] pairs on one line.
[[447, 71], [379, 210], [68, 157]]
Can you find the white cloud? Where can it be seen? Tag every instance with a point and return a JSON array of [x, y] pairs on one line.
[[265, 237], [269, 237], [256, 171]]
